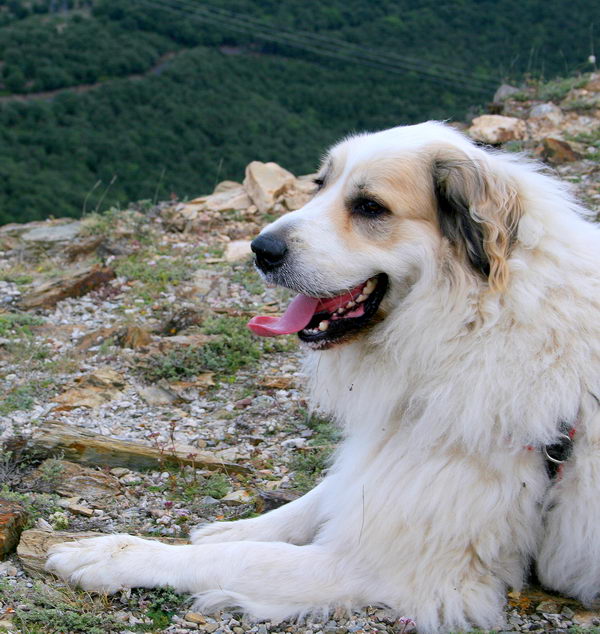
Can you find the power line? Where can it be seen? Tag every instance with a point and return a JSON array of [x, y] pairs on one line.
[[321, 45]]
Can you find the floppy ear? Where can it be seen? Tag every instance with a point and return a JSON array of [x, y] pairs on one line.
[[479, 211]]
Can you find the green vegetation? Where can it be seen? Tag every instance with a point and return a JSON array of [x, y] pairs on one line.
[[179, 102], [57, 610], [23, 397], [308, 465], [36, 504], [18, 324], [233, 347]]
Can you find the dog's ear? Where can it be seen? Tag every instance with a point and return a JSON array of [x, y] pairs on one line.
[[478, 211]]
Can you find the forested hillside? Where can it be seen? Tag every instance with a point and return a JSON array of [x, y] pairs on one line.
[[105, 101]]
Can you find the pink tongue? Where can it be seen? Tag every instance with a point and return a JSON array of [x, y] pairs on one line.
[[295, 318], [298, 314]]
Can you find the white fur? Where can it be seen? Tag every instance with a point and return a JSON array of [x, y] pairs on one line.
[[434, 503]]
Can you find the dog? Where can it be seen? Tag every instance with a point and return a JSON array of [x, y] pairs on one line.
[[449, 301]]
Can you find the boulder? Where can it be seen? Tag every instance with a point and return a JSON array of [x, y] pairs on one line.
[[53, 233], [495, 129], [74, 481], [225, 186], [230, 199], [557, 152], [135, 337], [266, 182], [504, 92], [74, 284], [549, 111], [92, 390]]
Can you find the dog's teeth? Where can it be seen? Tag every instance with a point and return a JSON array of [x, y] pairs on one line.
[[361, 298], [369, 286], [324, 325], [340, 311], [350, 304]]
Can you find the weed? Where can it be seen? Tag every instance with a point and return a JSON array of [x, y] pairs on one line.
[[216, 486], [233, 348], [23, 397], [592, 141], [18, 324], [50, 471], [100, 223], [35, 504], [308, 465], [557, 89], [158, 604], [245, 275]]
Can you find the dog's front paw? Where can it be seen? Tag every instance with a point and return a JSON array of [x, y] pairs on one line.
[[101, 564]]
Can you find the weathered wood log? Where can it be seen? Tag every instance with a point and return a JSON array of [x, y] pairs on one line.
[[12, 520], [81, 445], [34, 545]]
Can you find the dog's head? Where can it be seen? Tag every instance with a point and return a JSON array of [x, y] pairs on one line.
[[390, 209]]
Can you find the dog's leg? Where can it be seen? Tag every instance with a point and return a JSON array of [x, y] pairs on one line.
[[267, 580], [569, 557], [295, 522]]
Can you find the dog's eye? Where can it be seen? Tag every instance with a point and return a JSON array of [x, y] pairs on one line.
[[319, 182], [367, 207]]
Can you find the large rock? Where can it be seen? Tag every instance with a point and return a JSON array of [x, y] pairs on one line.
[[72, 480], [12, 521], [545, 119], [53, 233], [266, 182], [230, 199], [92, 390], [495, 129], [557, 152], [504, 92], [74, 284]]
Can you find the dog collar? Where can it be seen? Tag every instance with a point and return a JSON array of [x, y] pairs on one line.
[[559, 452]]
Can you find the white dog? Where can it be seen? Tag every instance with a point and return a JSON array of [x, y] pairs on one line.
[[451, 304]]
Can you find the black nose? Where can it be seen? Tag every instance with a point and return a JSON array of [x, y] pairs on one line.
[[270, 251]]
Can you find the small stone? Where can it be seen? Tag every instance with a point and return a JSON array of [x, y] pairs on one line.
[[77, 509], [207, 500], [195, 617], [238, 250], [567, 612], [7, 569], [119, 472], [135, 337], [547, 607], [241, 496]]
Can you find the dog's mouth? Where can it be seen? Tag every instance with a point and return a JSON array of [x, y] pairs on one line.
[[322, 322]]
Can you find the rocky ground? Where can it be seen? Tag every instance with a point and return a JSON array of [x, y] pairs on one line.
[[127, 328]]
